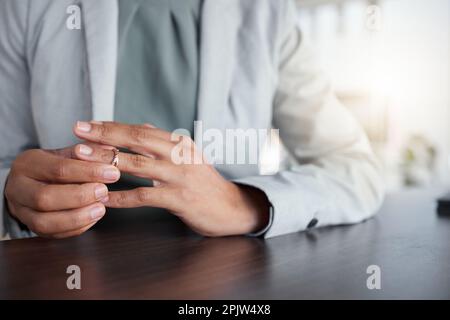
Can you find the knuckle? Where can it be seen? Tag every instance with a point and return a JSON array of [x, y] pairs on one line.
[[60, 169], [94, 170], [83, 196], [142, 195], [121, 199], [42, 200], [138, 135], [106, 156], [22, 159], [103, 133], [138, 161]]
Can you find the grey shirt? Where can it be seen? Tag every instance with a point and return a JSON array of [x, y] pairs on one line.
[[157, 72]]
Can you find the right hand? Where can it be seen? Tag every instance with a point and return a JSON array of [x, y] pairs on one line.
[[54, 194]]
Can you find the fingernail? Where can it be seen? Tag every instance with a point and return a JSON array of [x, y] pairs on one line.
[[97, 212], [104, 200], [149, 125], [101, 191], [85, 150], [156, 183], [111, 174], [84, 126]]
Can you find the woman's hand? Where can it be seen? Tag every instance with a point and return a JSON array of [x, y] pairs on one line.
[[55, 195], [196, 193]]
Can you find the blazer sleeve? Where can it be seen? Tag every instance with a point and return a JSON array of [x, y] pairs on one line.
[[335, 178], [17, 131]]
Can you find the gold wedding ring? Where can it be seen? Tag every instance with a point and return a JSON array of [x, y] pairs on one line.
[[115, 160]]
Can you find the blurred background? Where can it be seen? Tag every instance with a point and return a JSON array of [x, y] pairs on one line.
[[389, 61]]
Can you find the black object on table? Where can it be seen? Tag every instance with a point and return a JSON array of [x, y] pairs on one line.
[[444, 204]]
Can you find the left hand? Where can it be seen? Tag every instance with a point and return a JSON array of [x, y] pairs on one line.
[[196, 193]]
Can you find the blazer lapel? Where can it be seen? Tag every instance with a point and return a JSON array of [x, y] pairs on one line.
[[100, 24]]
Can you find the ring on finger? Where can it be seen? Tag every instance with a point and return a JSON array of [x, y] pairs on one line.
[[115, 160]]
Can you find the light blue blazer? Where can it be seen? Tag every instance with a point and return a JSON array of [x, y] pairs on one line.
[[256, 72]]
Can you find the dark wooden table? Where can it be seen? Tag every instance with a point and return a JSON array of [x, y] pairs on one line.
[[132, 254]]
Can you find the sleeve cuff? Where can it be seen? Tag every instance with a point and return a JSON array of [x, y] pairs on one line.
[[288, 214], [267, 227]]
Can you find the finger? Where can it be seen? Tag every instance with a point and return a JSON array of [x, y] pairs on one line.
[[73, 233], [136, 138], [53, 197], [135, 164], [69, 151], [160, 197], [162, 134], [49, 223], [63, 152], [45, 166], [173, 137]]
